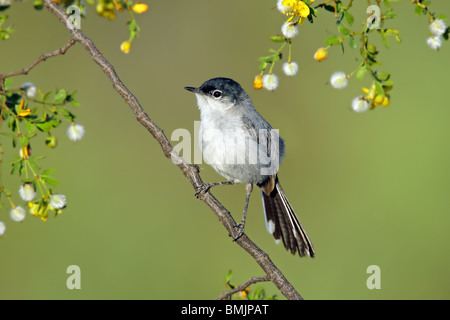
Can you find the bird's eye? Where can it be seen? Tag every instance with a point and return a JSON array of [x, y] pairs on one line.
[[217, 94]]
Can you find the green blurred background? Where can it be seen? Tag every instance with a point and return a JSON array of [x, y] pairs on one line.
[[370, 189]]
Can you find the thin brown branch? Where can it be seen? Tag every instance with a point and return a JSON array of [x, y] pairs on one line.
[[42, 58], [191, 172], [242, 287]]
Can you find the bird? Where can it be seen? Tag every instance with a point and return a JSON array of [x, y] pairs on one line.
[[239, 144]]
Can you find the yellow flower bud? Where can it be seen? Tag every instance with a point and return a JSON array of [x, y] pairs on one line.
[[125, 46], [139, 7], [258, 82], [385, 102], [378, 99], [321, 54]]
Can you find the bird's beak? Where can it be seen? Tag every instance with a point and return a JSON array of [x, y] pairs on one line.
[[192, 89]]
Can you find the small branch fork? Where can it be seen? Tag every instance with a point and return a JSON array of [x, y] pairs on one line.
[[42, 58], [242, 287], [191, 172]]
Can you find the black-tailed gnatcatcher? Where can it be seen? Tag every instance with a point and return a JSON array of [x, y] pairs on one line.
[[241, 146]]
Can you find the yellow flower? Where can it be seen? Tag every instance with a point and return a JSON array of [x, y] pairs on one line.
[[125, 46], [377, 99], [24, 113], [297, 9], [34, 208], [321, 54], [258, 82], [139, 7]]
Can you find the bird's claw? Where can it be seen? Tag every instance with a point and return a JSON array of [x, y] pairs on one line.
[[240, 228], [204, 187]]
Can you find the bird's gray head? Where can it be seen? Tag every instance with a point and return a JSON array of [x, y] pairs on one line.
[[219, 94]]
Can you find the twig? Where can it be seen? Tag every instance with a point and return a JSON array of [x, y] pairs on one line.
[[191, 172], [42, 58], [242, 287]]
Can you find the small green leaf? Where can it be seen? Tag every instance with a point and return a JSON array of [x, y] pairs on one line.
[[29, 126], [45, 126], [46, 96], [60, 96], [343, 30], [277, 39], [361, 72], [352, 43], [349, 18], [229, 276], [50, 180], [331, 41], [23, 141], [8, 83], [263, 65], [33, 163], [379, 88], [383, 76], [48, 172], [265, 59], [329, 8], [38, 5], [419, 11]]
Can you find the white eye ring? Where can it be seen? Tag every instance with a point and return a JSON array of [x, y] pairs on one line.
[[217, 94]]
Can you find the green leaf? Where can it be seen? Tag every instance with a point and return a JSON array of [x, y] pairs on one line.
[[361, 72], [8, 83], [38, 5], [60, 96], [349, 18], [419, 11], [383, 76], [384, 38], [50, 180], [46, 96], [329, 8], [263, 65], [343, 30], [229, 276], [379, 88], [45, 126], [352, 43], [29, 126], [265, 59], [23, 141], [332, 41], [48, 172], [277, 39], [33, 163]]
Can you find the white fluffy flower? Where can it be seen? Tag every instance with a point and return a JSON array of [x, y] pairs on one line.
[[281, 7], [438, 27], [30, 89], [270, 81], [434, 42], [27, 192], [58, 201], [17, 213], [359, 104], [339, 80], [75, 132], [2, 228], [290, 68], [289, 30]]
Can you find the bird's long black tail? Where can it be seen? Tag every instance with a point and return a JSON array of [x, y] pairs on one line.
[[283, 224]]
